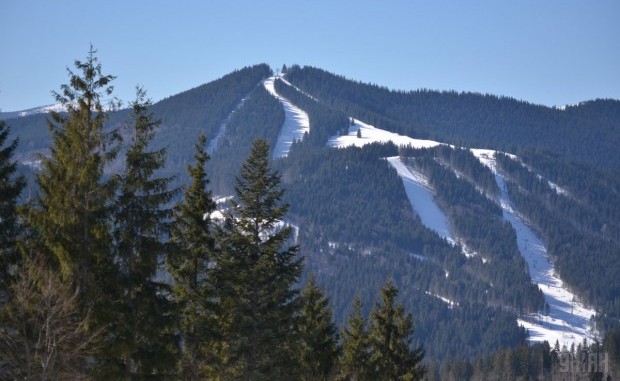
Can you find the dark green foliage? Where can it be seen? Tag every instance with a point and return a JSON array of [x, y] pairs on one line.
[[142, 339], [318, 336], [10, 189], [188, 263], [72, 216], [390, 332], [256, 275], [355, 364]]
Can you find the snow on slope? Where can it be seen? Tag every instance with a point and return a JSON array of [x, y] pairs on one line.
[[371, 134], [569, 320], [422, 200], [296, 122]]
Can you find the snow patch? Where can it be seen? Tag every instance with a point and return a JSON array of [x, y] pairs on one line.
[[296, 122], [449, 302], [371, 134]]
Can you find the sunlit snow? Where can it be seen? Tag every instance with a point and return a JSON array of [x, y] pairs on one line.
[[371, 134], [296, 122], [568, 320], [422, 200]]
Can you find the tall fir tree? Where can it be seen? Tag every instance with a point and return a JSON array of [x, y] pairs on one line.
[[390, 335], [318, 336], [10, 189], [72, 213], [142, 337], [256, 274], [189, 264], [355, 364]]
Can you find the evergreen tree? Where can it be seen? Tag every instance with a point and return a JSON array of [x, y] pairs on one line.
[[72, 215], [143, 339], [318, 336], [390, 334], [256, 273], [355, 359], [10, 188], [189, 262]]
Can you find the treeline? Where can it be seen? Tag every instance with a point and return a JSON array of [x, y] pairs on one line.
[[585, 361], [586, 132], [358, 226], [579, 239], [477, 221], [84, 265]]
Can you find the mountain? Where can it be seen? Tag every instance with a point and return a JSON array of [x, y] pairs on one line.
[[496, 218]]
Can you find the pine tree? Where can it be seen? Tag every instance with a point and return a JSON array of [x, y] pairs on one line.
[[390, 334], [318, 336], [143, 339], [355, 362], [72, 215], [10, 189], [256, 275], [189, 262]]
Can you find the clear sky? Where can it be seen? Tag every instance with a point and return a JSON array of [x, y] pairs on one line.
[[551, 52]]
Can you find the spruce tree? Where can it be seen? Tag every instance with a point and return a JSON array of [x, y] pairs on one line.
[[390, 335], [143, 339], [72, 213], [355, 362], [10, 189], [318, 336], [256, 273], [189, 264]]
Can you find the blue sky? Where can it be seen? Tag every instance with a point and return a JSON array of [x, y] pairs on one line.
[[552, 52]]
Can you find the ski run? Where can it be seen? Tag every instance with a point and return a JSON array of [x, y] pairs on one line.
[[568, 320]]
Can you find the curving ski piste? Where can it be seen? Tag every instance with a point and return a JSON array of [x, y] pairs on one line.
[[568, 320], [296, 122]]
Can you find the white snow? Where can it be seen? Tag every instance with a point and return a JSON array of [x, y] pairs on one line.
[[296, 122], [569, 320], [422, 200], [371, 134], [449, 302]]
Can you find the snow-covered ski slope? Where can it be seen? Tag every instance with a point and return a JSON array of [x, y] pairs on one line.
[[296, 122], [370, 134], [421, 197], [568, 320]]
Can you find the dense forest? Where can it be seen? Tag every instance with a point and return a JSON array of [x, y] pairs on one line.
[[82, 293]]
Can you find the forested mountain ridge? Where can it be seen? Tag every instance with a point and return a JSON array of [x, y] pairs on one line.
[[356, 225], [589, 131]]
